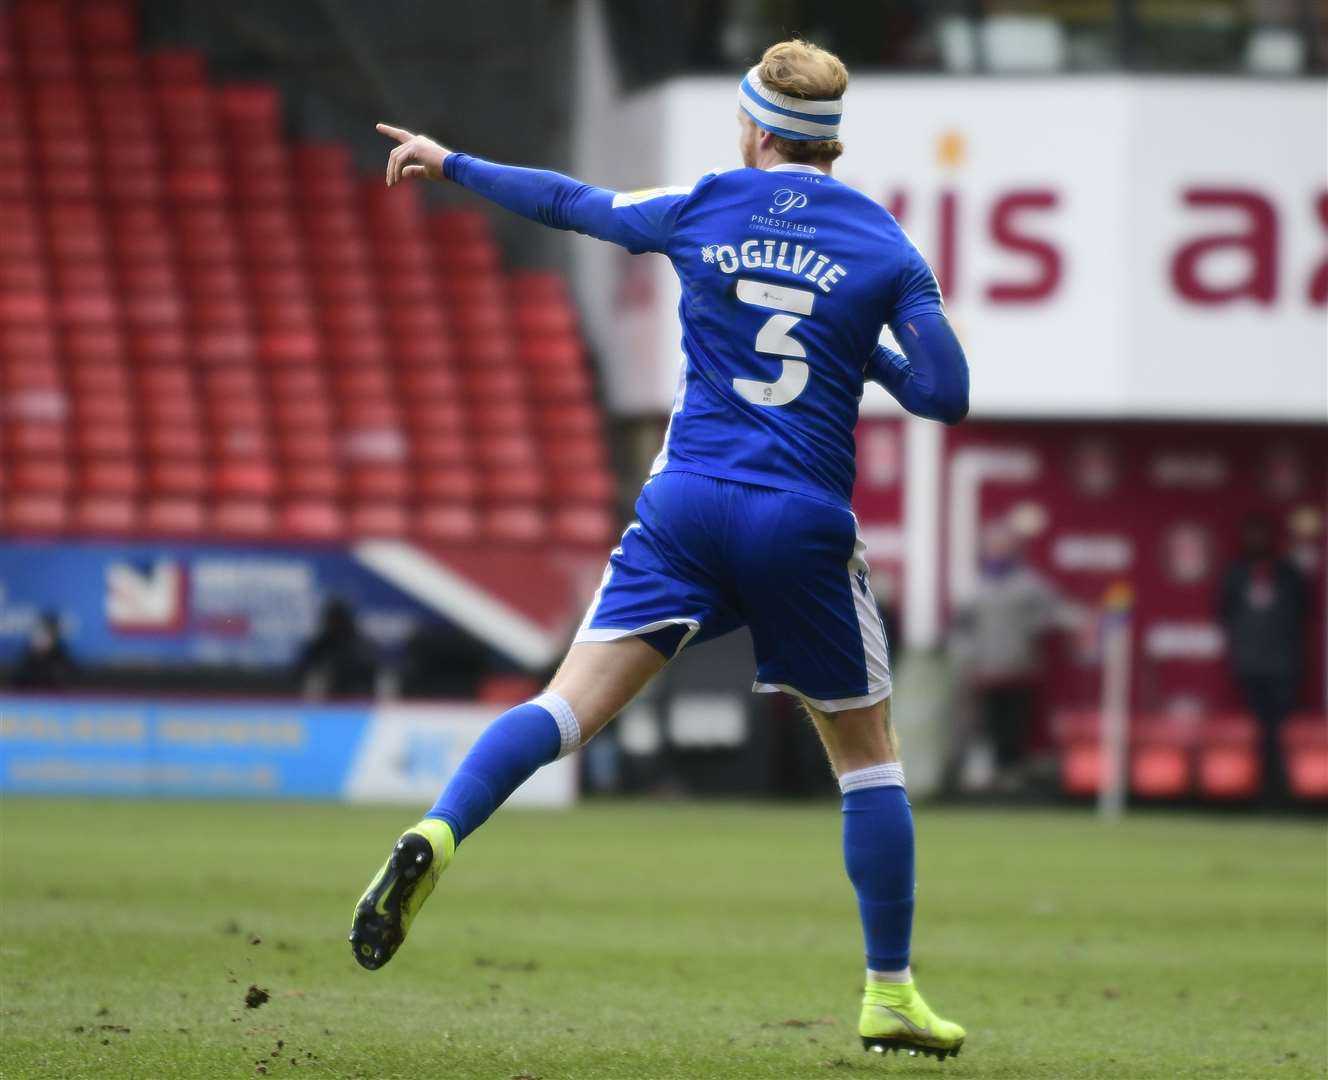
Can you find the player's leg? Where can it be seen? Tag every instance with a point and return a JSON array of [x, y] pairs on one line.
[[594, 682], [591, 686], [818, 636], [879, 858], [656, 594]]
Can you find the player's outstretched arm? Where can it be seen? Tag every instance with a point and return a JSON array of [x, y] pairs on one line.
[[638, 223], [930, 377]]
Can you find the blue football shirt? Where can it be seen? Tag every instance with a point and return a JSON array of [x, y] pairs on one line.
[[787, 278]]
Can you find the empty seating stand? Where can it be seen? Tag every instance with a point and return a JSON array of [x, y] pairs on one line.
[[1215, 758], [205, 329]]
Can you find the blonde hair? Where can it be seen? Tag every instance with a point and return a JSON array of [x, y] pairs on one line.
[[803, 70]]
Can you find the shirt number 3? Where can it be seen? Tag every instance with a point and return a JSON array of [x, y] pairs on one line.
[[773, 339]]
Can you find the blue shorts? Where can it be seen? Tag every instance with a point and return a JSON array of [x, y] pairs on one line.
[[707, 556]]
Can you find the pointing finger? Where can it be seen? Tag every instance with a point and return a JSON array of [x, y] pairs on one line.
[[400, 134]]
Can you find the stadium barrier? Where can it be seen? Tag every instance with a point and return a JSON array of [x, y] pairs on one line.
[[253, 750]]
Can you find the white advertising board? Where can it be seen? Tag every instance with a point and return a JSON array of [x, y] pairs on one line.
[[409, 752]]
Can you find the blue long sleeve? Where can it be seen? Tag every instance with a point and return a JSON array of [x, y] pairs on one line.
[[639, 222], [930, 378]]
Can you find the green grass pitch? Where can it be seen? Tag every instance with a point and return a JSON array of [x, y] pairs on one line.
[[623, 940]]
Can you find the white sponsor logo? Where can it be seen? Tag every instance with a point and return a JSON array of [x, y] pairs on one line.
[[1188, 470], [786, 200], [145, 598], [1104, 554], [1183, 641]]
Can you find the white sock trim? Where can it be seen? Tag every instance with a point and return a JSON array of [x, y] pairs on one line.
[[891, 977], [891, 775], [569, 731]]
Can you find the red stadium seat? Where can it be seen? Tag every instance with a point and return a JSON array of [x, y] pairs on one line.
[[461, 225], [113, 66], [1227, 762], [493, 383], [584, 484], [158, 345], [112, 515], [1305, 756], [111, 440], [429, 383], [35, 437], [411, 319], [175, 66], [447, 523], [1160, 759], [554, 386], [515, 524], [432, 448], [250, 111], [512, 449], [584, 526], [15, 182], [41, 476], [243, 518], [420, 352], [500, 417], [107, 25], [308, 444], [324, 173], [289, 347], [379, 482], [174, 431], [98, 379], [36, 513], [197, 185], [448, 482], [224, 346], [19, 308], [178, 476], [109, 477], [313, 519], [174, 515], [575, 453], [544, 319], [43, 25], [310, 474], [27, 342], [511, 484], [378, 519], [542, 285]]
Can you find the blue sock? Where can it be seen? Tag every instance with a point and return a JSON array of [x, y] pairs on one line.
[[878, 854], [504, 757]]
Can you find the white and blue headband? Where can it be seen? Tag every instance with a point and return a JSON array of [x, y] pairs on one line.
[[785, 116]]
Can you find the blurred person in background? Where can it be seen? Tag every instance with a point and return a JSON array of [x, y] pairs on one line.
[[45, 663], [338, 661], [1264, 609], [996, 648]]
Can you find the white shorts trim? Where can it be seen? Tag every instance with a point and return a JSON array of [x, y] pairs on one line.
[[832, 705], [613, 633]]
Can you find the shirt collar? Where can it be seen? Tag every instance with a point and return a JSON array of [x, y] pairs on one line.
[[793, 166]]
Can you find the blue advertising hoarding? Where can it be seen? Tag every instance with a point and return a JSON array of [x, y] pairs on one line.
[[186, 604], [184, 748]]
